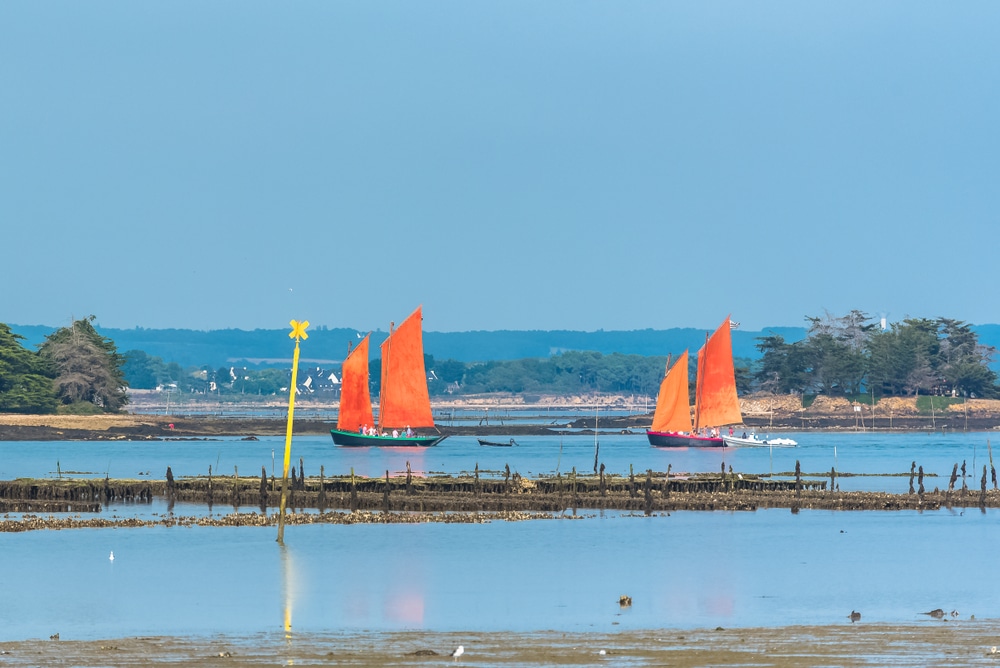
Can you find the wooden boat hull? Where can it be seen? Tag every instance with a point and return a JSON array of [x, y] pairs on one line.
[[668, 439], [495, 444], [355, 440]]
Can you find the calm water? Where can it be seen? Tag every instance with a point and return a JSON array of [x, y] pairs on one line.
[[862, 453], [683, 570]]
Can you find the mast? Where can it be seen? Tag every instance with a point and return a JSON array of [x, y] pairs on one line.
[[382, 394], [698, 387]]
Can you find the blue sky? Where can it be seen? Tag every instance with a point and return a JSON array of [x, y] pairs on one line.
[[509, 165]]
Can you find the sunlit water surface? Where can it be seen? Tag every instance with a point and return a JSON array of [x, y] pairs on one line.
[[682, 570]]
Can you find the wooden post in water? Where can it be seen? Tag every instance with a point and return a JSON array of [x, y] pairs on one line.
[[298, 332], [982, 489], [385, 496], [913, 468], [263, 489], [920, 481], [649, 491], [321, 497], [354, 492], [993, 471]]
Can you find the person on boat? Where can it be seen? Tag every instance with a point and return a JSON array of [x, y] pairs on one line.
[[395, 433], [409, 432], [730, 430], [363, 428], [744, 434]]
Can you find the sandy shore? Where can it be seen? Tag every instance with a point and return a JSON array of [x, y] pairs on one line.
[[923, 643]]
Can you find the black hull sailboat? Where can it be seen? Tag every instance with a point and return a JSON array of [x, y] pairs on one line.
[[404, 401], [356, 440]]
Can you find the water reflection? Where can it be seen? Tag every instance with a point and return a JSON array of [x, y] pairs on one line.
[[287, 587]]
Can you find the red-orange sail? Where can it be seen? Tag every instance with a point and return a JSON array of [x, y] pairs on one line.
[[355, 400], [404, 399], [673, 410], [716, 403]]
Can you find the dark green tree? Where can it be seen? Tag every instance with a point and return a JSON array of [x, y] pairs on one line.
[[142, 371], [25, 380]]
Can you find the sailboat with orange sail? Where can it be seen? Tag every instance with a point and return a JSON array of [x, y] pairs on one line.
[[404, 402], [716, 403]]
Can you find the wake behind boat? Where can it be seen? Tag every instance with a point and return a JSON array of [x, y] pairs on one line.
[[404, 402], [716, 403]]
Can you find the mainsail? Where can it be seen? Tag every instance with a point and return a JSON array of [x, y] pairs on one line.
[[404, 400], [716, 402], [355, 399], [673, 410]]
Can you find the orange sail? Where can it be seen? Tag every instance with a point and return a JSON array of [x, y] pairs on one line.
[[716, 403], [673, 411], [404, 399], [355, 400]]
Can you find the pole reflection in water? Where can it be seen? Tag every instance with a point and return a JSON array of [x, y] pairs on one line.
[[287, 587]]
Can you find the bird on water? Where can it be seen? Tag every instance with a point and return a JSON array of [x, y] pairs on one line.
[[459, 651], [855, 616]]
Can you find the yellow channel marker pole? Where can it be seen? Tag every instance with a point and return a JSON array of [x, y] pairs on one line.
[[298, 332]]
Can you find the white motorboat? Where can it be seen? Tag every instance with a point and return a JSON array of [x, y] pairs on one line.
[[752, 439]]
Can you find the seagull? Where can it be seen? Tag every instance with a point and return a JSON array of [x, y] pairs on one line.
[[112, 557], [459, 651]]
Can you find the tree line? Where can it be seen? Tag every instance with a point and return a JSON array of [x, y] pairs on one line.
[[852, 355], [76, 369]]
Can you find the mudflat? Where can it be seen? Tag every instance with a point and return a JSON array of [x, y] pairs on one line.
[[953, 643]]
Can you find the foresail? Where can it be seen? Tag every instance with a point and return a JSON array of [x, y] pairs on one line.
[[715, 397], [673, 410], [355, 399], [404, 400]]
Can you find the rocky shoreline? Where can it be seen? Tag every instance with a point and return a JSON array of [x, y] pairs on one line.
[[772, 414]]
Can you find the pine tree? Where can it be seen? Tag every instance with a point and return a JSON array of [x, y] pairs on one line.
[[25, 381], [88, 368]]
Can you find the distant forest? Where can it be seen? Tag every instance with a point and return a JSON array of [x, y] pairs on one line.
[[849, 355], [270, 348]]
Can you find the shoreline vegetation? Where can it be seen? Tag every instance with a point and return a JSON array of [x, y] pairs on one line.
[[152, 417], [963, 641]]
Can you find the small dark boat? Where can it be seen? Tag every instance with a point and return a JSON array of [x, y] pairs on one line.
[[496, 444]]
